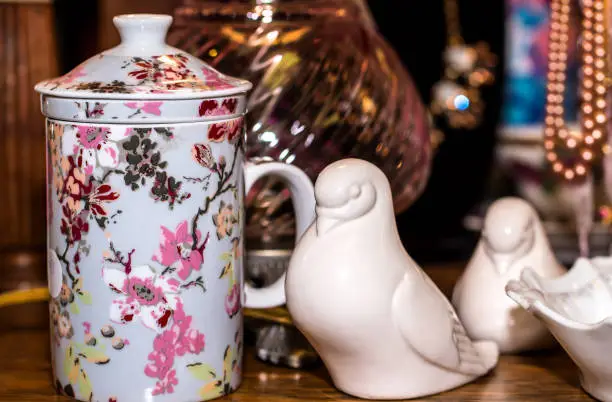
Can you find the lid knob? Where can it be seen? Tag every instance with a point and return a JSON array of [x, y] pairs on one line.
[[143, 31]]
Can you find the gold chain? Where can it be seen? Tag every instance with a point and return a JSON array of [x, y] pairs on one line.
[[457, 98], [580, 150], [453, 26]]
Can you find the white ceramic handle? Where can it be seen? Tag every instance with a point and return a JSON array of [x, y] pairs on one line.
[[302, 194], [143, 31]]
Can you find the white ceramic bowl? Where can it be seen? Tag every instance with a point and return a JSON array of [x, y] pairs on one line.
[[577, 309]]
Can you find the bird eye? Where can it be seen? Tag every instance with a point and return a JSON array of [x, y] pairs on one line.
[[354, 191]]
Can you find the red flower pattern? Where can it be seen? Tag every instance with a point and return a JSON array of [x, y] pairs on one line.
[[208, 107], [79, 199], [229, 130], [74, 226], [102, 194], [230, 104], [76, 188], [202, 154], [75, 185], [211, 107], [170, 70]]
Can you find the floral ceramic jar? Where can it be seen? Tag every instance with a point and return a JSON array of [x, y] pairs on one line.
[[145, 222]]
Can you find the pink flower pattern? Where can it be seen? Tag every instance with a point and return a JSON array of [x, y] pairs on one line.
[[96, 146], [176, 341], [232, 301], [73, 75], [146, 107], [233, 298], [151, 296], [144, 294], [216, 80], [177, 250]]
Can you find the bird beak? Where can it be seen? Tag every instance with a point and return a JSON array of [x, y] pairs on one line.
[[324, 225], [502, 262]]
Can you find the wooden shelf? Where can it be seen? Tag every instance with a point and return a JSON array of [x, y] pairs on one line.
[[547, 376]]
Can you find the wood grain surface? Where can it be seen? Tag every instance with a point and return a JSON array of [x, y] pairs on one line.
[[546, 376], [27, 56]]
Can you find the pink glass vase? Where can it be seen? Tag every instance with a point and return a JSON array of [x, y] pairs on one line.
[[327, 87]]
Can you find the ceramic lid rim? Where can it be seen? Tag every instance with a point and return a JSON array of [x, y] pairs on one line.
[[82, 95], [120, 111]]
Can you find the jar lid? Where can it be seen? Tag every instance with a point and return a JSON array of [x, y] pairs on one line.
[[143, 67]]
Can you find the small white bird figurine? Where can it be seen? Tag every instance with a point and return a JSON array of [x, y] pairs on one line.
[[512, 239], [381, 326]]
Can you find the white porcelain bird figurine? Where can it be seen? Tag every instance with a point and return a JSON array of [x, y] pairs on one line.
[[512, 239], [381, 326]]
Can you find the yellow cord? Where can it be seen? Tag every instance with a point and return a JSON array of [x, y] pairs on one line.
[[278, 315], [37, 295], [25, 296]]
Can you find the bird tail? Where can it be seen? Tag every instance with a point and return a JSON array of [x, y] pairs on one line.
[[475, 357], [489, 354]]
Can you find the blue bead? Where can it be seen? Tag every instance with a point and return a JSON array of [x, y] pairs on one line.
[[461, 102]]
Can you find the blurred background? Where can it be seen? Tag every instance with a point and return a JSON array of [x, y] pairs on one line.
[[432, 228], [446, 96]]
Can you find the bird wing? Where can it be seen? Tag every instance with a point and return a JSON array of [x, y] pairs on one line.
[[430, 326], [457, 291]]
